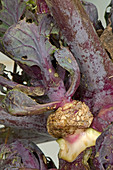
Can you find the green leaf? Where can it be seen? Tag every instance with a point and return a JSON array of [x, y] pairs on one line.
[[11, 12]]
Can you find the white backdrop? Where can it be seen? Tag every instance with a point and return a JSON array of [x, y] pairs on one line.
[[101, 5], [51, 148]]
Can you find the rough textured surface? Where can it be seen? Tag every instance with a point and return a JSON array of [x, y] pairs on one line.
[[72, 145], [68, 118], [81, 162], [107, 40], [104, 148], [96, 89], [22, 154]]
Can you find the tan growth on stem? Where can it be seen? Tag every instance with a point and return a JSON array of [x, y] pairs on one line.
[[68, 118]]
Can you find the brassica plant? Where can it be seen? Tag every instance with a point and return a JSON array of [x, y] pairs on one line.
[[65, 89]]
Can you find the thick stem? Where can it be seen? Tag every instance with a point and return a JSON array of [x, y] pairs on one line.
[[96, 67]]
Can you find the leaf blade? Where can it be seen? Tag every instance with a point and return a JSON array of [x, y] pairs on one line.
[[67, 61], [11, 12]]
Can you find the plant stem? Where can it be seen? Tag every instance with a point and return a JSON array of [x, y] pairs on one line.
[[95, 66]]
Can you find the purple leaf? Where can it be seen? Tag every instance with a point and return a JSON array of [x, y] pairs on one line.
[[104, 148], [68, 62], [18, 103], [11, 13], [24, 127], [42, 7], [23, 40], [104, 118], [48, 25], [92, 12], [28, 134], [28, 46], [22, 154], [33, 91]]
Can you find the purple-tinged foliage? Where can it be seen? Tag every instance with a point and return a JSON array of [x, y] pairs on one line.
[[104, 118], [42, 7], [52, 77], [92, 12], [38, 135], [104, 148], [33, 91], [22, 154], [66, 60], [24, 40], [11, 13], [18, 103], [48, 26], [99, 124], [78, 163], [24, 127]]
